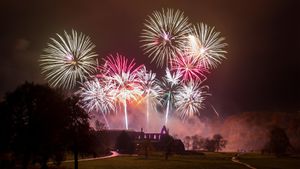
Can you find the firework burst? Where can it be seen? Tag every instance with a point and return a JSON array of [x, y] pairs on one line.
[[169, 85], [152, 91], [97, 96], [189, 99], [68, 59], [189, 67], [124, 75], [206, 45], [163, 35]]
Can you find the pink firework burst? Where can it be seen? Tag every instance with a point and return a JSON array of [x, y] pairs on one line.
[[119, 64], [124, 75], [189, 67]]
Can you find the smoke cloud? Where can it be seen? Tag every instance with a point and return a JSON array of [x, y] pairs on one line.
[[245, 131]]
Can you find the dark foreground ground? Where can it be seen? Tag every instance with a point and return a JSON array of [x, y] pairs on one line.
[[207, 161]]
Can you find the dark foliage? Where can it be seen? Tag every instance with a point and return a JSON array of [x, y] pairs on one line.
[[220, 143], [216, 143], [279, 142], [38, 124], [32, 123]]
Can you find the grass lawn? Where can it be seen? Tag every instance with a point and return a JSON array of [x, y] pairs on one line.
[[270, 162], [208, 161]]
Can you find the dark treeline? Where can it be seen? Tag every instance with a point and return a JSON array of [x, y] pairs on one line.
[[258, 131], [39, 124], [196, 142]]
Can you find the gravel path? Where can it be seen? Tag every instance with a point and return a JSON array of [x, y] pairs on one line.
[[235, 160]]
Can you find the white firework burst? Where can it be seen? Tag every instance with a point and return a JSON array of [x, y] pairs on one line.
[[150, 87], [205, 43], [97, 96], [189, 99], [152, 92], [163, 35], [174, 78], [68, 59]]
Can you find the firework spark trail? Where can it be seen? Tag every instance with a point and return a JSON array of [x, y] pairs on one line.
[[169, 85], [167, 110], [125, 112], [163, 34], [189, 99], [215, 110], [190, 67], [152, 91], [206, 45], [147, 115], [68, 59], [97, 96], [124, 76], [105, 119]]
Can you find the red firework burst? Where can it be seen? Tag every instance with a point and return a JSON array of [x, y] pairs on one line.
[[189, 67]]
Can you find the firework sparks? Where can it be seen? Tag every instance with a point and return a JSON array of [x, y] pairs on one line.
[[163, 35], [215, 110], [68, 59], [169, 85], [174, 78], [206, 45], [152, 91], [97, 96], [124, 75], [189, 99], [190, 67]]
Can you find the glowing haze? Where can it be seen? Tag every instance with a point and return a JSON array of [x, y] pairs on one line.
[[129, 96]]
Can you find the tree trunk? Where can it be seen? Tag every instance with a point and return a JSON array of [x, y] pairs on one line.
[[75, 157]]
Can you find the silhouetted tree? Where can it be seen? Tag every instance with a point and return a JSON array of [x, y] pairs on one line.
[[6, 135], [279, 141], [37, 124], [32, 117], [209, 145], [217, 143], [187, 142], [125, 143], [77, 132], [197, 142], [220, 143]]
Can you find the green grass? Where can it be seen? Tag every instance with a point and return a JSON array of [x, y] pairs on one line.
[[270, 162], [208, 161]]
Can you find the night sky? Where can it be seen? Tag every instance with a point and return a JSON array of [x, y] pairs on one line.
[[261, 73]]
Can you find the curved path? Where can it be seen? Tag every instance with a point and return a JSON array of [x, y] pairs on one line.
[[114, 154], [235, 160]]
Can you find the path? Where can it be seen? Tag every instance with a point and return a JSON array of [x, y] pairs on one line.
[[235, 160], [114, 154]]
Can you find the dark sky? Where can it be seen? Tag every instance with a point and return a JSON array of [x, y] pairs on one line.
[[262, 67]]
